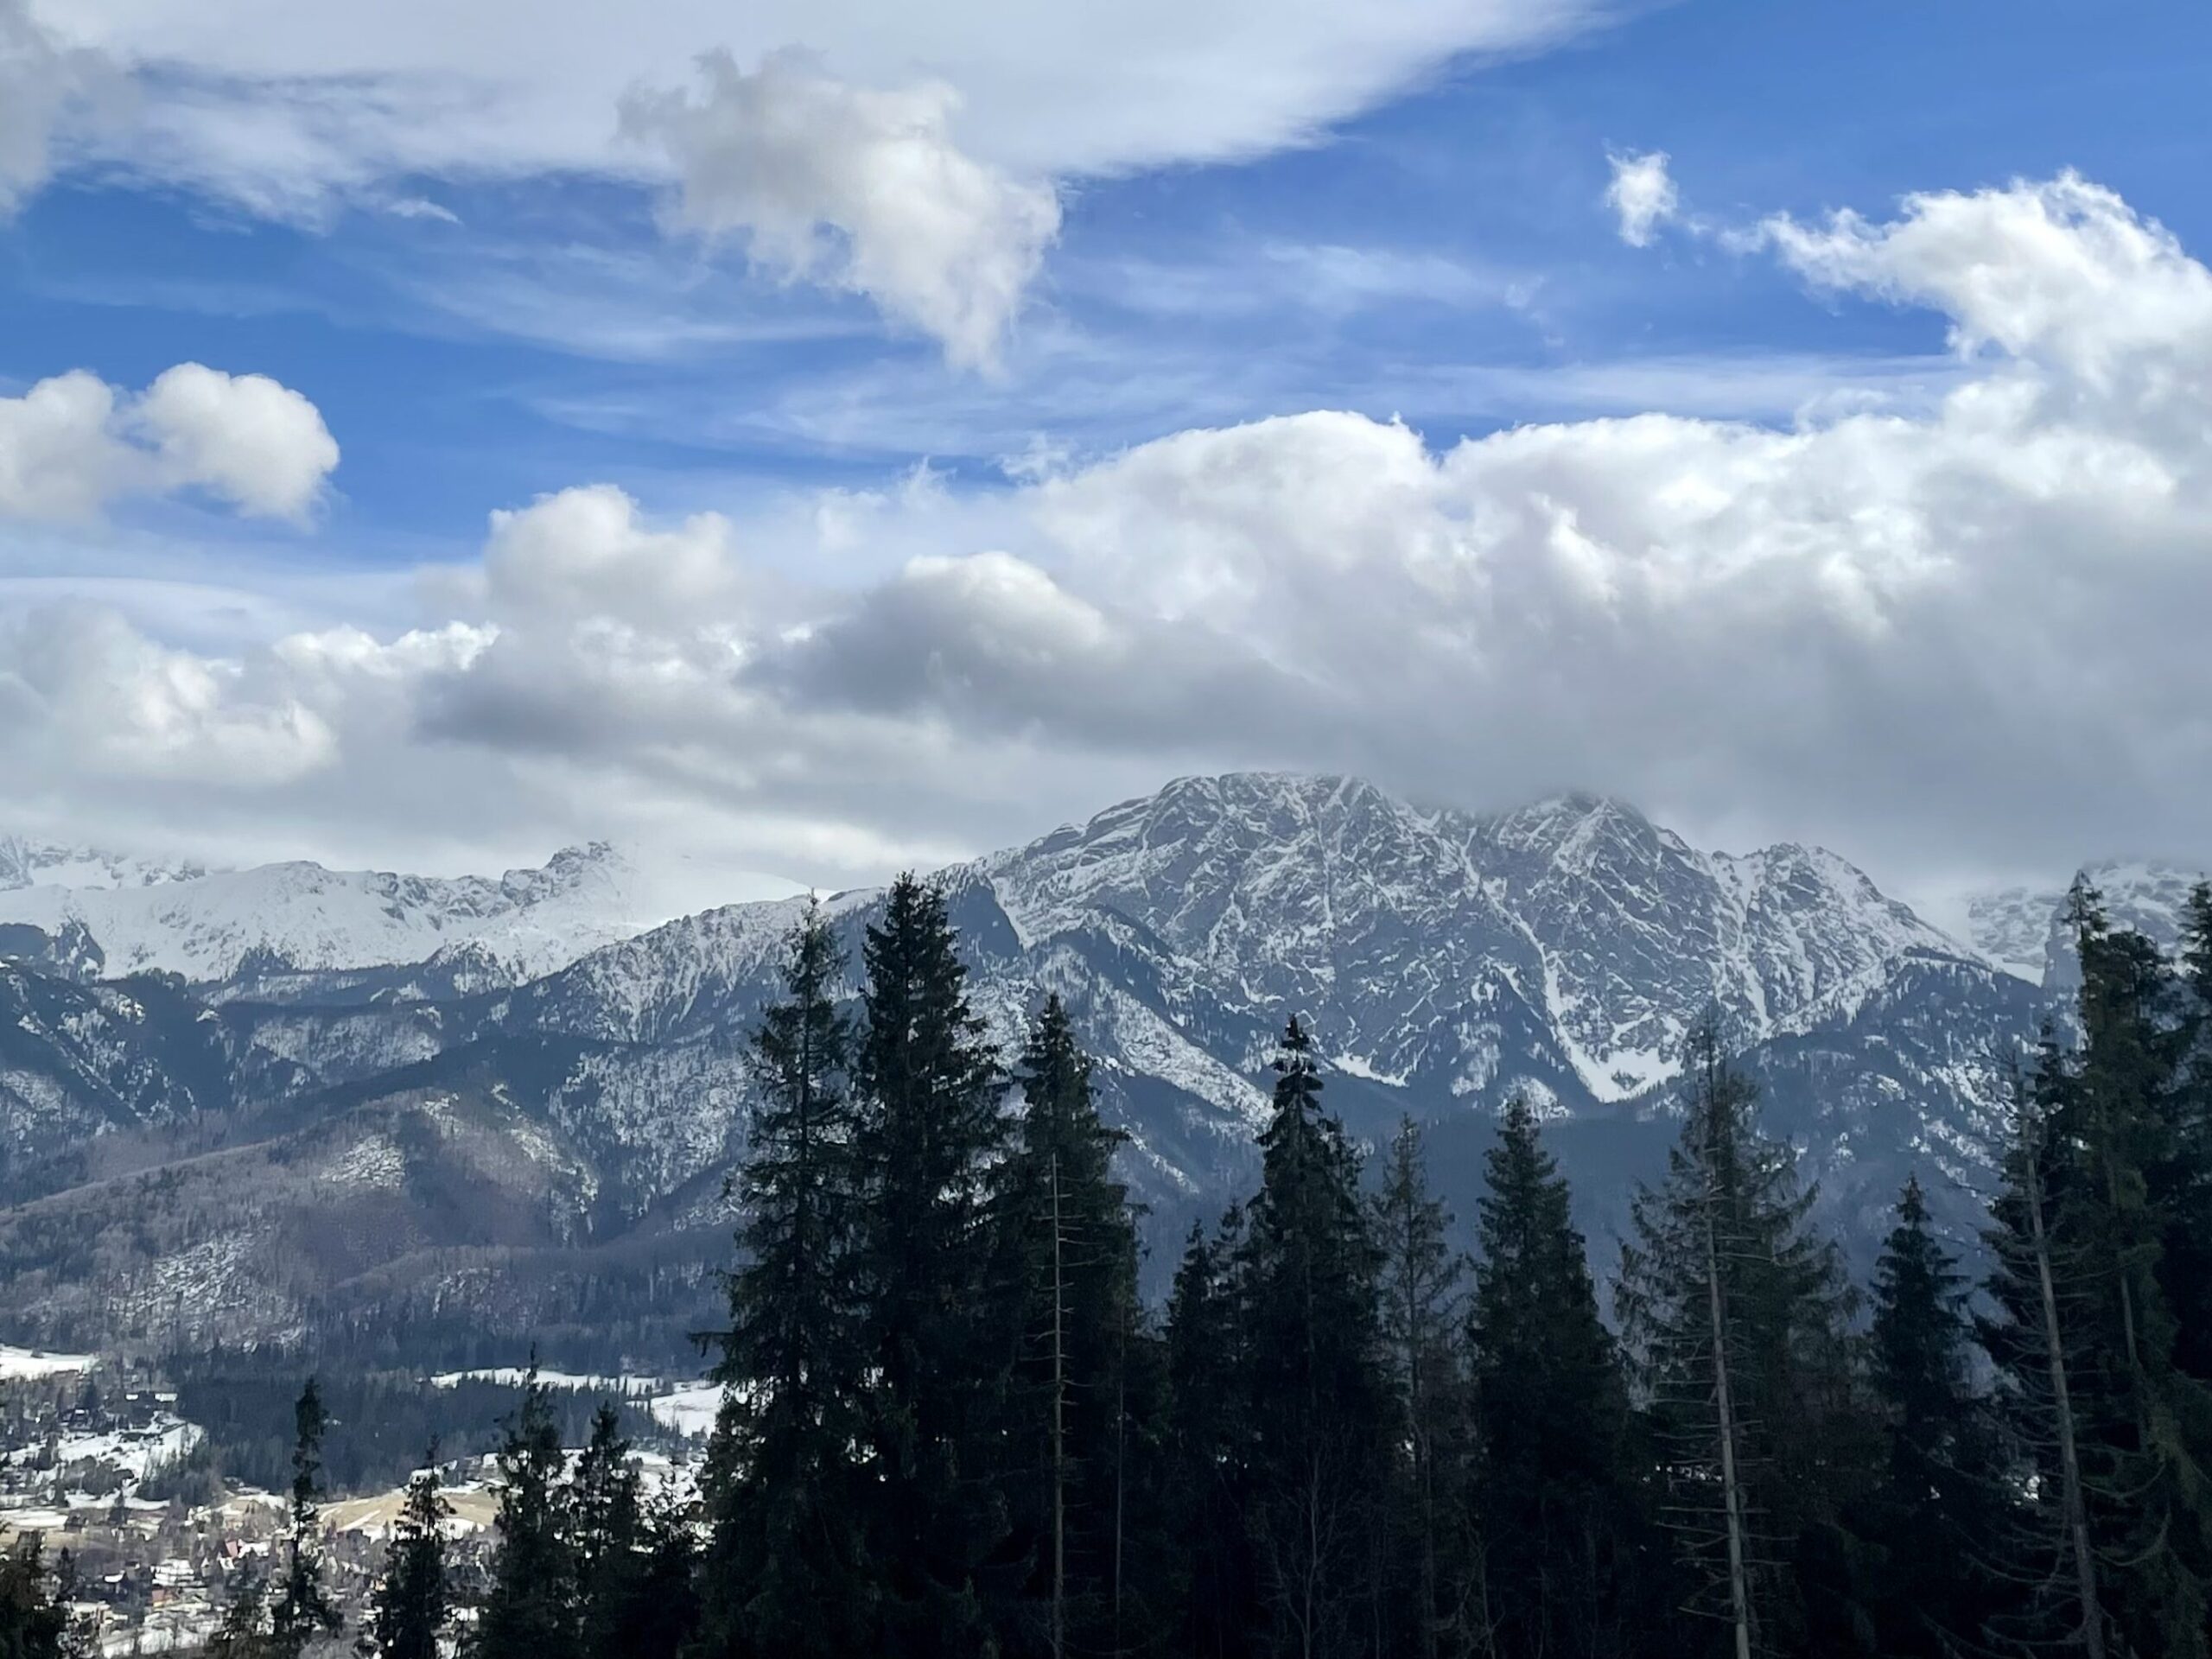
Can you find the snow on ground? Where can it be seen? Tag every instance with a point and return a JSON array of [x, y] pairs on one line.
[[687, 1407], [19, 1363], [688, 1411], [512, 1376], [136, 1452]]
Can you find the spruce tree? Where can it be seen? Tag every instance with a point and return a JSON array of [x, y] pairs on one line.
[[1738, 1320], [659, 1617], [2183, 1182], [2115, 1179], [1316, 1392], [529, 1610], [787, 1569], [303, 1609], [1418, 1287], [2036, 1286], [1941, 1508], [605, 1519], [411, 1603], [1069, 1247], [928, 1137], [1558, 1506], [1213, 1589]]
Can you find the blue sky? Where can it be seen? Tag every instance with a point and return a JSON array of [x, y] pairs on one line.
[[1424, 237], [1447, 257]]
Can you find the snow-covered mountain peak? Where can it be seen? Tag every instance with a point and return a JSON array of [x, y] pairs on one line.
[[2023, 930], [1576, 831], [1387, 923], [207, 925], [27, 863]]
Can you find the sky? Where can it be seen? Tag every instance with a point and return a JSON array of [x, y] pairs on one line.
[[800, 442]]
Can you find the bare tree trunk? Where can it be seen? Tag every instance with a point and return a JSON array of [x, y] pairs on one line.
[[1121, 1437], [2069, 1465], [1740, 1587], [1059, 1436]]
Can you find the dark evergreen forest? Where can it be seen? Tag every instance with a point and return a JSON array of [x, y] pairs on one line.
[[952, 1427]]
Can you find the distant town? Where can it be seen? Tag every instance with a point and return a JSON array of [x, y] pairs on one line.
[[96, 1461]]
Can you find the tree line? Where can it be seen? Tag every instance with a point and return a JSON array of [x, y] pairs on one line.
[[949, 1427]]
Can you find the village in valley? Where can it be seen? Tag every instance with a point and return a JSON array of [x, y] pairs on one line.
[[97, 1466]]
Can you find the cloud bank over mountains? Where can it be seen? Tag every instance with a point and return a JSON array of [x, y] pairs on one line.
[[1973, 629]]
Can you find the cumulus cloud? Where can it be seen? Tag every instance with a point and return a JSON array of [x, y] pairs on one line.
[[589, 553], [58, 457], [863, 189], [258, 445], [2061, 271], [1966, 631], [72, 443], [1641, 194]]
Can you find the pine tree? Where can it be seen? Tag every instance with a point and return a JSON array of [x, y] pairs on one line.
[[605, 1520], [1737, 1317], [303, 1609], [1419, 1286], [1558, 1506], [410, 1608], [2146, 1425], [1213, 1591], [2182, 1183], [1069, 1246], [1941, 1506], [929, 1134], [786, 1566], [1316, 1390], [2036, 1289], [660, 1615], [529, 1611]]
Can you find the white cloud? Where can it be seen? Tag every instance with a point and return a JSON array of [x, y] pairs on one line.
[[59, 460], [855, 179], [90, 696], [1642, 196], [2063, 272], [70, 444], [862, 188], [588, 553], [43, 86], [1969, 623], [276, 104], [257, 444]]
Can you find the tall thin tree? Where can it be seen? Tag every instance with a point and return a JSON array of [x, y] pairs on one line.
[[1068, 1244], [303, 1608], [1559, 1504], [1419, 1284], [928, 1137], [529, 1610], [787, 1569], [1317, 1392], [412, 1602]]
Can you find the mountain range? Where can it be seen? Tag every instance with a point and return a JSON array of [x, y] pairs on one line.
[[281, 1100]]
